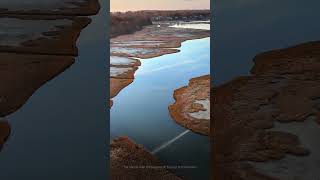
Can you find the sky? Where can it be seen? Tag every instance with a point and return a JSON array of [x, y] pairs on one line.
[[134, 5]]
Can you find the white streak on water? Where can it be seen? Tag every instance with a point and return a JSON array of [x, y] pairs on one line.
[[164, 67], [168, 143]]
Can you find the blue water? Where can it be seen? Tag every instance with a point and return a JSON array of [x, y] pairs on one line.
[[140, 111], [61, 133]]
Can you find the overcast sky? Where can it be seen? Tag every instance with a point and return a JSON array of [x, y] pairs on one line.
[[133, 5]]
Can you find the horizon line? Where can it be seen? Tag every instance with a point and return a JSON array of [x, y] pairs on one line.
[[161, 10]]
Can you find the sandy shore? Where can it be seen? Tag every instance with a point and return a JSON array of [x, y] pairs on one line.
[[283, 88], [152, 41], [192, 105], [132, 162]]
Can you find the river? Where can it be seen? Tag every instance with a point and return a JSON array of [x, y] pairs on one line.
[[140, 111]]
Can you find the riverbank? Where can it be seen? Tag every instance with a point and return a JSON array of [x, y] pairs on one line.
[[282, 89]]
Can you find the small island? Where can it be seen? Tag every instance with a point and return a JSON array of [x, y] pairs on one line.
[[192, 107]]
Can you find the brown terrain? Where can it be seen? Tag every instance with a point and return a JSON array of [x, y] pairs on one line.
[[189, 109], [28, 72], [122, 23], [130, 161], [152, 41], [283, 89], [39, 44]]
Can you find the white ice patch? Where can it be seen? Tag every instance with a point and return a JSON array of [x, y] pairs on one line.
[[132, 51], [118, 61], [200, 26], [138, 43], [116, 71], [202, 114]]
